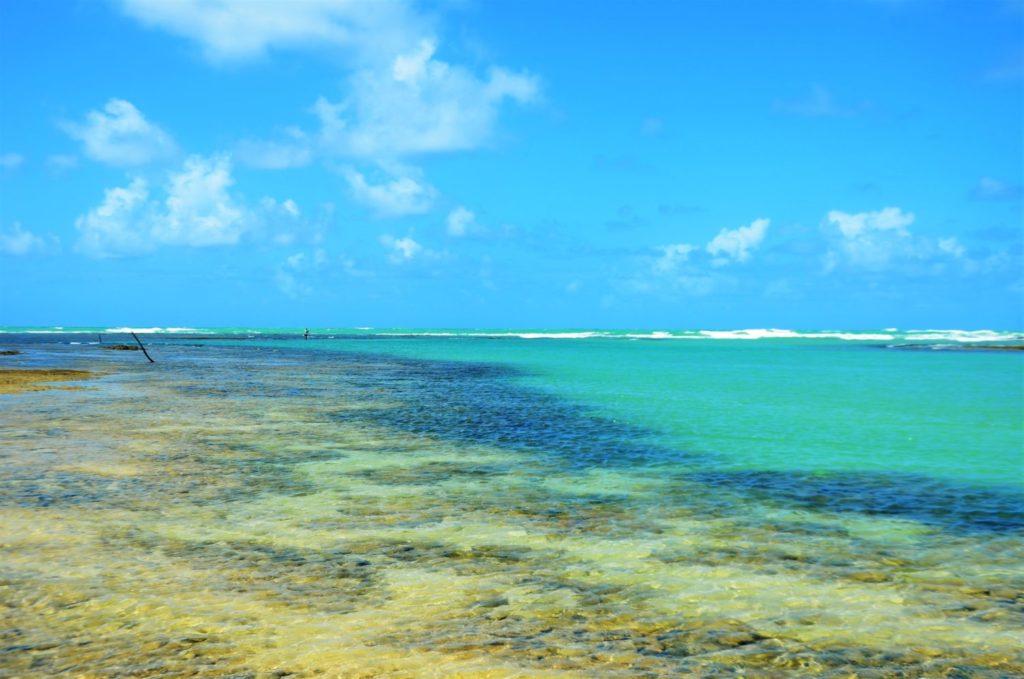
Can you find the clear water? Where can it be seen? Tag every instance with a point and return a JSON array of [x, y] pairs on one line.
[[594, 504]]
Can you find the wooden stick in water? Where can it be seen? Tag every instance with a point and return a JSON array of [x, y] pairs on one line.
[[143, 348]]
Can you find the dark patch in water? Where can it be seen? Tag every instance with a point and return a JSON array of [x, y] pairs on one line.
[[62, 489], [985, 347], [334, 580], [480, 405], [952, 507]]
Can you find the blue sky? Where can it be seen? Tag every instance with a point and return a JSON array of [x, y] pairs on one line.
[[819, 164]]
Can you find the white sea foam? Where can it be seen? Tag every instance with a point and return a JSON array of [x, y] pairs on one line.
[[427, 334], [156, 330], [750, 334], [849, 336], [656, 335], [779, 333], [963, 336], [520, 335], [887, 335], [553, 335], [746, 334]]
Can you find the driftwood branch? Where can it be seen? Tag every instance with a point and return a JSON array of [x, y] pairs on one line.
[[143, 348]]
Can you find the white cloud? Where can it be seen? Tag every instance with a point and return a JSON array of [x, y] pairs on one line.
[[281, 221], [737, 244], [333, 126], [878, 240], [853, 226], [11, 161], [295, 151], [117, 226], [401, 249], [301, 261], [672, 256], [683, 267], [287, 208], [292, 276], [417, 103], [199, 209], [121, 135], [403, 99], [872, 240], [460, 222], [400, 98], [951, 246], [398, 197], [17, 241], [412, 68], [504, 84], [240, 30], [350, 267]]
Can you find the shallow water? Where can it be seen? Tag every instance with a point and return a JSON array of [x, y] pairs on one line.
[[470, 507]]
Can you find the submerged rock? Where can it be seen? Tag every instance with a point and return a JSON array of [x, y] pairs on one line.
[[121, 347], [13, 381]]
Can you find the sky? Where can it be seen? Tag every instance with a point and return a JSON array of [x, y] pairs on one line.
[[655, 164]]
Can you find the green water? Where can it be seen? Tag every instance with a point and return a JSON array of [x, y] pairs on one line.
[[777, 404], [378, 505]]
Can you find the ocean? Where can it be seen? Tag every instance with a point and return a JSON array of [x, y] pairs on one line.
[[514, 503]]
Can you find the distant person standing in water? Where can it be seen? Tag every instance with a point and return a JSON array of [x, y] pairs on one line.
[[306, 334]]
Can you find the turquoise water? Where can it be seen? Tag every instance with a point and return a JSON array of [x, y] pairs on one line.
[[517, 503], [779, 404]]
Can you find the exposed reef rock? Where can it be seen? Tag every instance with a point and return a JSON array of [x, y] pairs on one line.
[[957, 347], [15, 381]]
